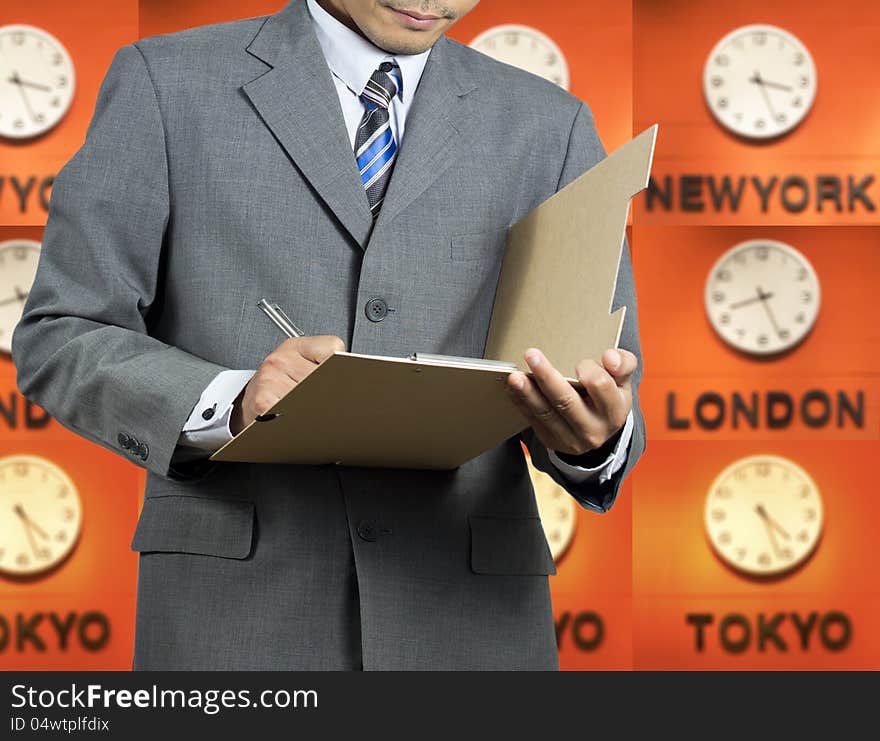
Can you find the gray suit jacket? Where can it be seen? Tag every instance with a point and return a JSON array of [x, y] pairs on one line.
[[217, 170]]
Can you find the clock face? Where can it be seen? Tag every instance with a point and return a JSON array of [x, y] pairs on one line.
[[40, 515], [18, 267], [759, 81], [526, 48], [557, 510], [763, 515], [762, 296], [36, 81]]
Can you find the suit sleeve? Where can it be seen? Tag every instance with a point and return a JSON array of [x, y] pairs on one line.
[[82, 350], [585, 150]]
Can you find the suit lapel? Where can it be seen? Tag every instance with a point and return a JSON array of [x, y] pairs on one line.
[[297, 100], [437, 125]]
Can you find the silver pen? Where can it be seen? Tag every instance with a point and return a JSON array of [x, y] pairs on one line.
[[277, 315]]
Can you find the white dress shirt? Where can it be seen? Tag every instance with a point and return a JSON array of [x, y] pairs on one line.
[[352, 60]]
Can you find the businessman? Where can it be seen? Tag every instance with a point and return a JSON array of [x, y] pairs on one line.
[[348, 160]]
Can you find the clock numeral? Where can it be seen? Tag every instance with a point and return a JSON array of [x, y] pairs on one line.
[[762, 339], [722, 60], [555, 535], [804, 81], [740, 333], [44, 554], [718, 297], [781, 118], [512, 38], [760, 38], [550, 59], [806, 296], [724, 319], [762, 252], [724, 537], [61, 536], [784, 334], [68, 514], [723, 274], [22, 559], [55, 102], [763, 469], [809, 514], [740, 553], [799, 58], [718, 515], [803, 536], [18, 38], [787, 554], [20, 469], [2, 553], [40, 118], [797, 102], [760, 123], [717, 81], [738, 116], [63, 491], [19, 123], [562, 513], [805, 492], [740, 474], [57, 59], [802, 274], [722, 103], [20, 253], [62, 81], [764, 559], [723, 492]]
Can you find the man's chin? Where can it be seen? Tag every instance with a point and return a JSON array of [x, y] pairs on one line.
[[407, 42]]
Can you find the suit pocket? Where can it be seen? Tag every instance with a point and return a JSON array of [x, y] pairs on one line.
[[509, 544], [478, 246], [210, 526]]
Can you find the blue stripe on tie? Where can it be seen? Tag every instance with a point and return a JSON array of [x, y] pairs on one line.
[[379, 163], [374, 149]]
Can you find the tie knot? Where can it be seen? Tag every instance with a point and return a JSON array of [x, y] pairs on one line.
[[382, 86]]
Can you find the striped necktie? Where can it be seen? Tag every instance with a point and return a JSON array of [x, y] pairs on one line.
[[374, 145]]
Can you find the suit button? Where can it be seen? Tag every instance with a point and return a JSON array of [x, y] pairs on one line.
[[376, 309], [144, 451], [208, 413], [367, 530], [123, 440]]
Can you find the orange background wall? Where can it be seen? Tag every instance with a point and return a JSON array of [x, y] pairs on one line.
[[646, 564]]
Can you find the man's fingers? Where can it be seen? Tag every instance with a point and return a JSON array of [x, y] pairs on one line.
[[621, 364], [539, 411], [320, 347], [612, 402], [565, 400]]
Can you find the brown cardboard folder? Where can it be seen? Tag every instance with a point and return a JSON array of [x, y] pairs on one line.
[[555, 292]]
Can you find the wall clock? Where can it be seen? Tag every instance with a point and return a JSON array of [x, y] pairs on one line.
[[759, 81], [557, 510], [526, 48], [18, 267], [40, 515], [763, 515], [36, 81], [762, 296]]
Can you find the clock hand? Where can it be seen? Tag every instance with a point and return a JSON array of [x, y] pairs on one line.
[[764, 296], [27, 103], [763, 514], [744, 302], [771, 521], [757, 79], [19, 510], [34, 85], [786, 88], [26, 525]]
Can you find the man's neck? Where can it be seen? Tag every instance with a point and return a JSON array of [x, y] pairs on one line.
[[340, 15]]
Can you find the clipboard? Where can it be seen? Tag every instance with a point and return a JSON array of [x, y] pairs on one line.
[[437, 412]]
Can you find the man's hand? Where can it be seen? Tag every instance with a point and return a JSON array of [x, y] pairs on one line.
[[562, 419], [282, 369]]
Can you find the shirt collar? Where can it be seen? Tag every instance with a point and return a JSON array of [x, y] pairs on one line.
[[353, 59]]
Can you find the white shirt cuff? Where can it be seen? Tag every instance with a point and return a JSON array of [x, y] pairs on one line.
[[605, 470], [207, 427]]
